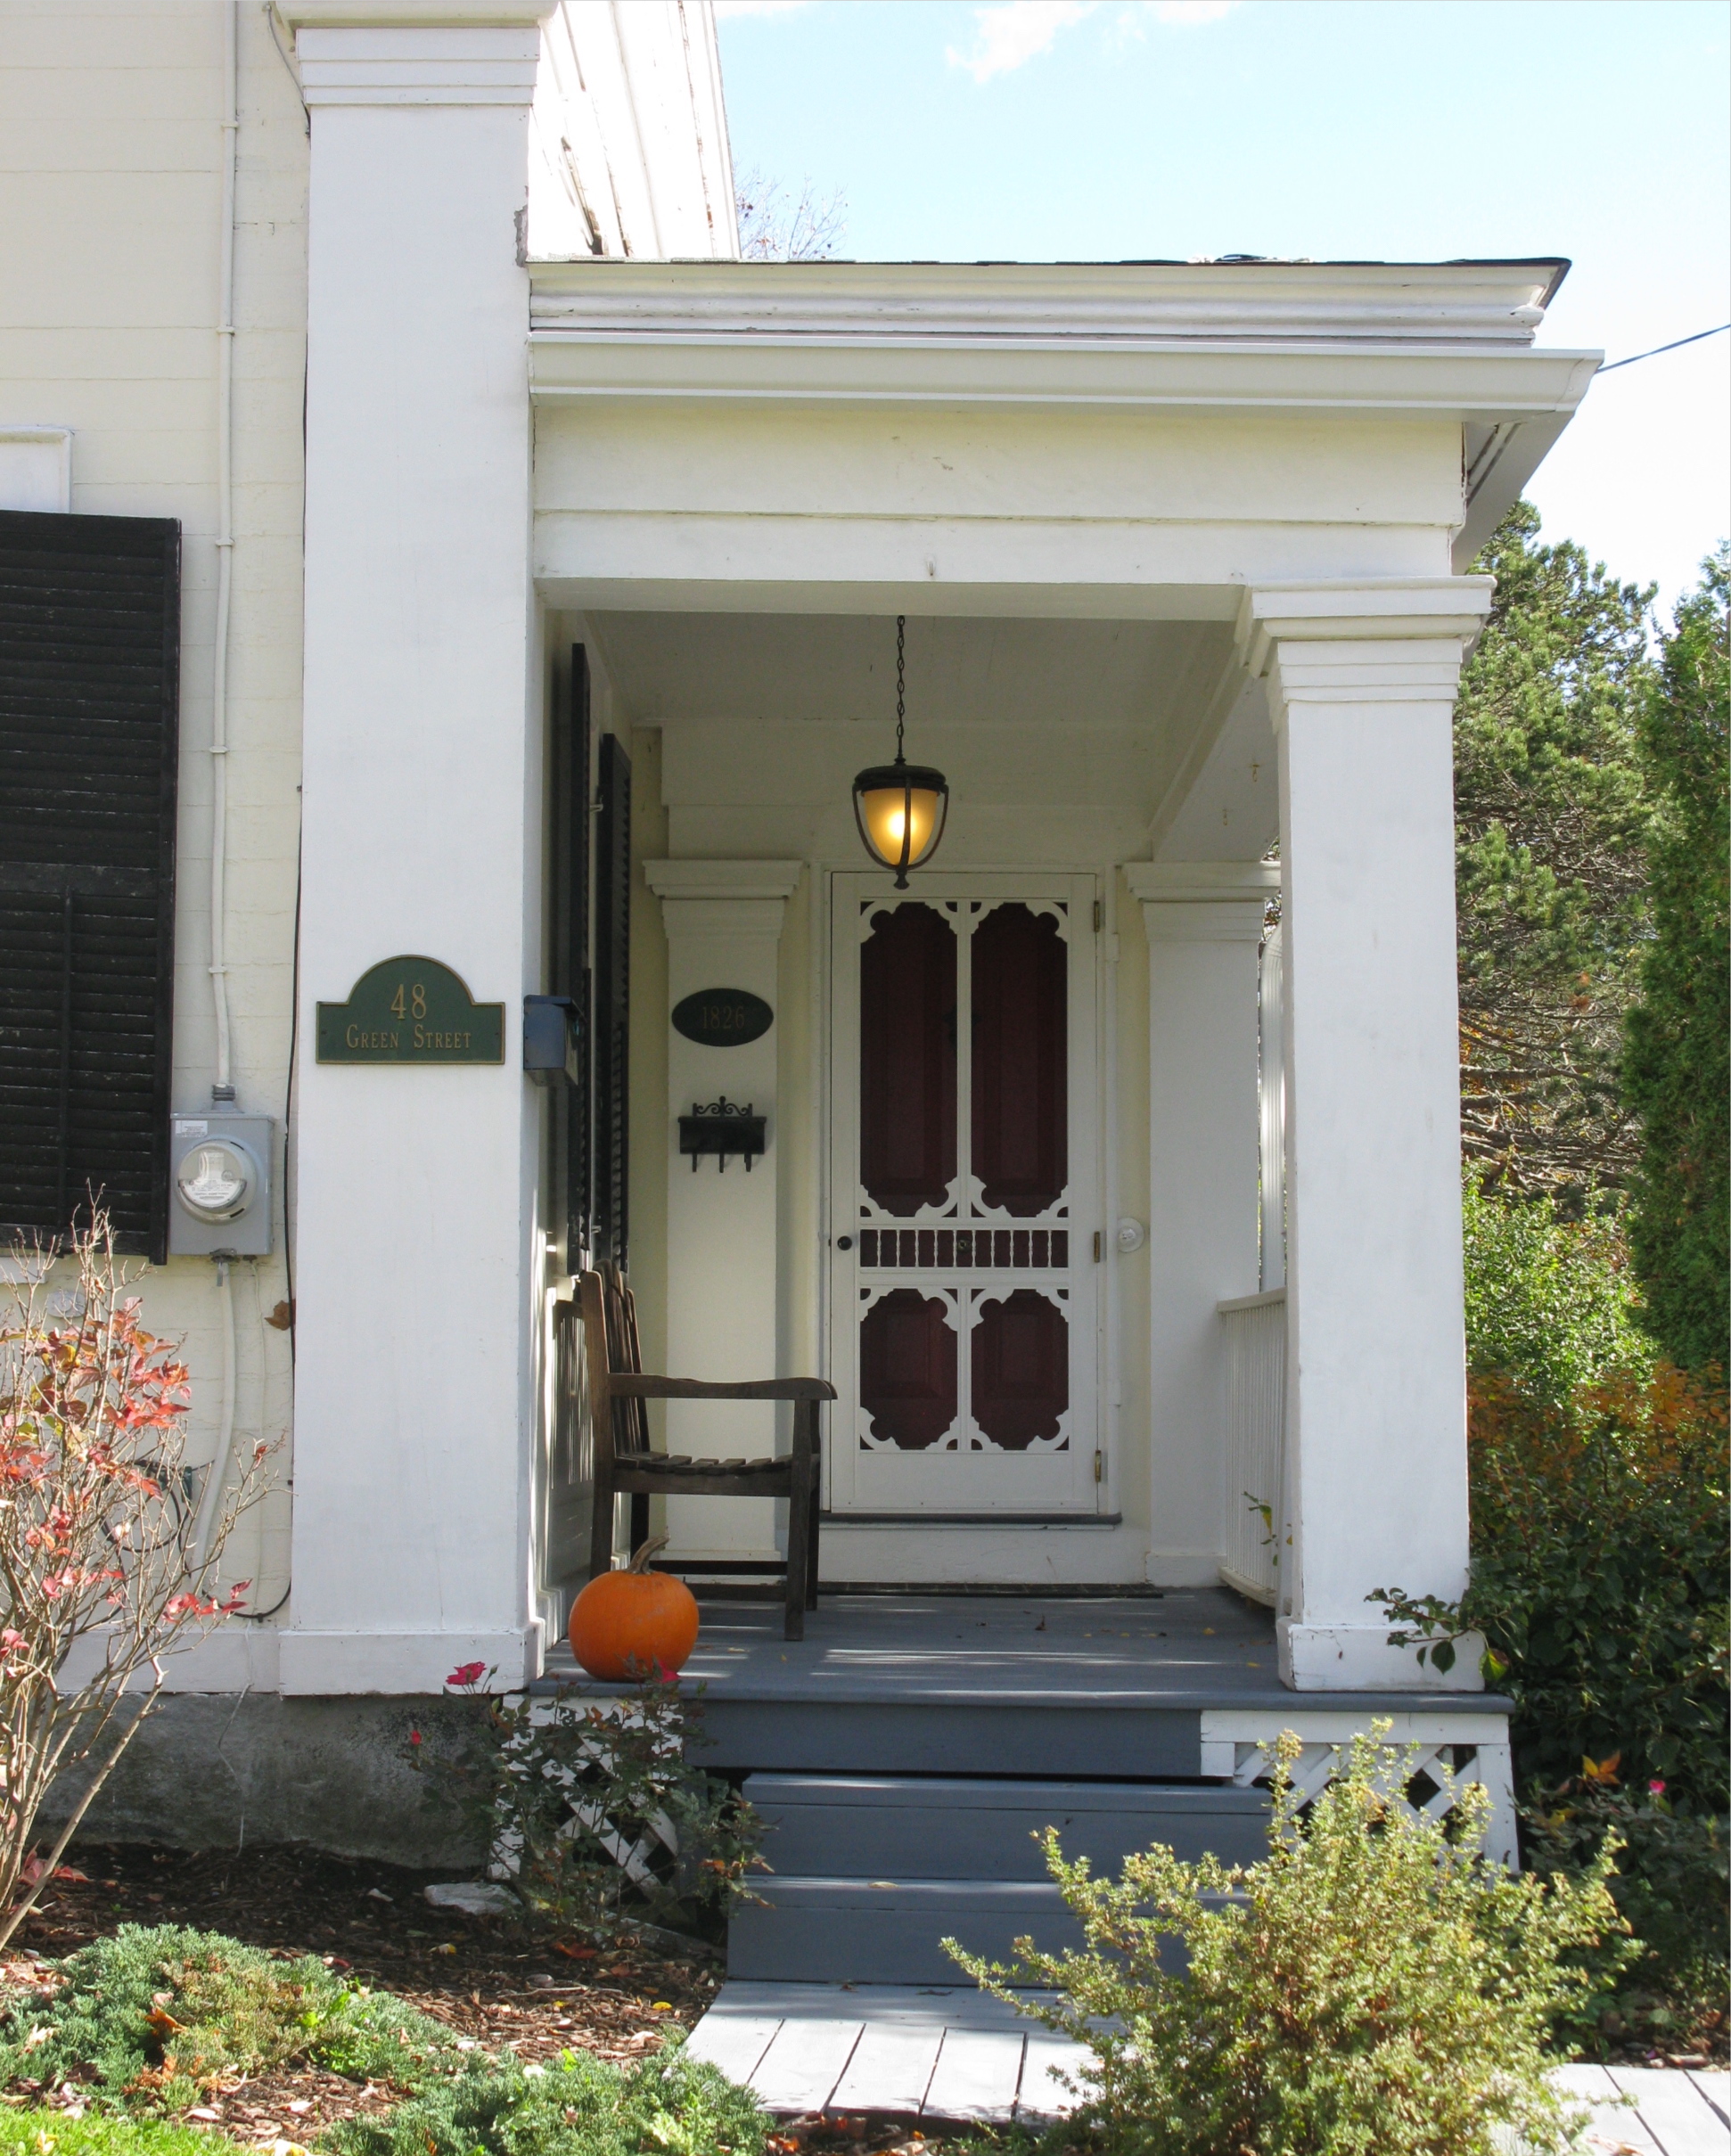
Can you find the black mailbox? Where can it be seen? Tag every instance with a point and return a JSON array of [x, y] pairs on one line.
[[720, 1129], [552, 1038]]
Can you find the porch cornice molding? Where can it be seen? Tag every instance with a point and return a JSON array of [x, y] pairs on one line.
[[723, 898], [375, 56], [1204, 901], [1382, 640], [1505, 387], [1193, 883], [686, 878]]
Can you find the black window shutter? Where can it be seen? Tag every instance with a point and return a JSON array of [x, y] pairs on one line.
[[613, 985], [89, 699], [570, 967]]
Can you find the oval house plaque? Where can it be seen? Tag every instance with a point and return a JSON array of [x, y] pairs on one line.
[[723, 1018]]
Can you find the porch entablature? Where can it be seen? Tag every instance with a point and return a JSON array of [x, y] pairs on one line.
[[1098, 441]]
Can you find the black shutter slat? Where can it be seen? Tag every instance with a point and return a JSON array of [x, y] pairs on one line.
[[612, 990], [89, 697], [570, 968]]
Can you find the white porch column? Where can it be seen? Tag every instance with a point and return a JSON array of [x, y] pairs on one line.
[[1204, 921], [416, 1234], [723, 927], [1362, 679]]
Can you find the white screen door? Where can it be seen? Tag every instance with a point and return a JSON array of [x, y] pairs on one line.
[[963, 1195]]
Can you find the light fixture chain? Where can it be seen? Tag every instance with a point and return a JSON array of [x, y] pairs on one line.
[[901, 679]]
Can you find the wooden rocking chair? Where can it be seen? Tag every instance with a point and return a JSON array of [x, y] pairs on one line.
[[619, 1391]]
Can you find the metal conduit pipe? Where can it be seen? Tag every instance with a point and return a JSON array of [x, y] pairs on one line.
[[223, 1086], [222, 1089], [210, 1490]]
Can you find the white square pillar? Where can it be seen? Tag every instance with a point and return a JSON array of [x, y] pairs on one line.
[[723, 929], [1205, 922], [416, 1234], [1362, 679]]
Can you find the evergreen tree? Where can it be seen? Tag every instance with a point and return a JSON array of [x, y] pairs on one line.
[[1676, 1070], [1550, 813]]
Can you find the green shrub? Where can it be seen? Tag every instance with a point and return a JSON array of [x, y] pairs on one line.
[[1675, 1074], [1371, 1986], [668, 2105], [1551, 1301], [52, 2133], [157, 2014], [1598, 1480], [1671, 1887]]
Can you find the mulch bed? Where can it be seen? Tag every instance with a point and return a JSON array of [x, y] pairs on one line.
[[486, 1978]]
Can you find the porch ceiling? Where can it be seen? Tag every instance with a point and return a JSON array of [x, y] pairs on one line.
[[1148, 730], [681, 669]]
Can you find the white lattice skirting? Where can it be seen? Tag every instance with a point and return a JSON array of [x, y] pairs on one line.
[[1475, 1746]]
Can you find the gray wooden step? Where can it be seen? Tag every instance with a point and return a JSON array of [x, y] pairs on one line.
[[869, 1826], [887, 1930]]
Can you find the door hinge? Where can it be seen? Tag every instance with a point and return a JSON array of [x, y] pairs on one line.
[[1099, 1246], [1099, 916], [1099, 1467]]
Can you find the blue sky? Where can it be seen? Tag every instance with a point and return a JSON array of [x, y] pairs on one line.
[[1037, 130]]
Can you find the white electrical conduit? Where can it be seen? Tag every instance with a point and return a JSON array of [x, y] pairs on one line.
[[222, 1089], [1107, 1489], [210, 1490]]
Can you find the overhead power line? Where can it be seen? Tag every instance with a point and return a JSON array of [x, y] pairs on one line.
[[1672, 347]]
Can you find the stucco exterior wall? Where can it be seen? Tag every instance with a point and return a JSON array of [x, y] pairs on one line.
[[110, 147]]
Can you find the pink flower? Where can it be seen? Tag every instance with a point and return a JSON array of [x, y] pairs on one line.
[[1655, 1789]]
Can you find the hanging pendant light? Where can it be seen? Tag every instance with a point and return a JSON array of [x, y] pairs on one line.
[[901, 808]]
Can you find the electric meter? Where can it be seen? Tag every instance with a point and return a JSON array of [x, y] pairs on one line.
[[219, 1167]]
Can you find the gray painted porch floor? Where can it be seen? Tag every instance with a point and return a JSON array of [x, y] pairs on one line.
[[943, 1647], [939, 2055], [1187, 1648]]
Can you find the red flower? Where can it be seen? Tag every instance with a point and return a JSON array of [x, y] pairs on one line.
[[467, 1672], [415, 1736], [1655, 1789]]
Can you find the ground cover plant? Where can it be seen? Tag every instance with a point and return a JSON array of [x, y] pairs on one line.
[[151, 2024], [1373, 1986], [155, 2017], [577, 2106], [38, 2132]]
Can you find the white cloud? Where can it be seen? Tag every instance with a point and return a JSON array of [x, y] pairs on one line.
[[1015, 32]]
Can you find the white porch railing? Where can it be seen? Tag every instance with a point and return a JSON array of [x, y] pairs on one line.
[[1253, 1491]]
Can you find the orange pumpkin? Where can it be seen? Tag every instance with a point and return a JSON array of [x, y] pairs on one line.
[[624, 1623]]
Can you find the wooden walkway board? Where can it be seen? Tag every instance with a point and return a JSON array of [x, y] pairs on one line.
[[1651, 2110], [927, 2054], [943, 2054]]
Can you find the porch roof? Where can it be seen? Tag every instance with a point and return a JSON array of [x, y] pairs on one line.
[[1496, 303]]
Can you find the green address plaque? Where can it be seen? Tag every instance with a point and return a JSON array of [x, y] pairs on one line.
[[410, 1011]]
